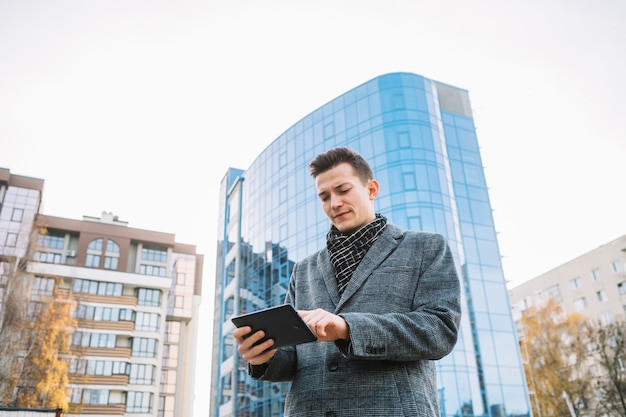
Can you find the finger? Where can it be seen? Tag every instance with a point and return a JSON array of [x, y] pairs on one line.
[[240, 333], [252, 338], [256, 353], [262, 358]]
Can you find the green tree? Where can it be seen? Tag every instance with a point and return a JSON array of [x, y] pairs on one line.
[[553, 347]]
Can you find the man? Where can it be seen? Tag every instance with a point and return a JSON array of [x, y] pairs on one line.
[[383, 302]]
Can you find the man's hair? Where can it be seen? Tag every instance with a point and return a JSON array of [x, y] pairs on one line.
[[335, 156]]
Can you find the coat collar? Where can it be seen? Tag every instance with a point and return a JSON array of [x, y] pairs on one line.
[[380, 250]]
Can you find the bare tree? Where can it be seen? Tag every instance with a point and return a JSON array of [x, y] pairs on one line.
[[609, 352], [12, 319]]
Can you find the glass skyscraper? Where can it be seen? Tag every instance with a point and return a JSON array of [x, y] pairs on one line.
[[419, 137]]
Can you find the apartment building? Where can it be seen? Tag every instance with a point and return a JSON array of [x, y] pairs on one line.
[[592, 284], [135, 295]]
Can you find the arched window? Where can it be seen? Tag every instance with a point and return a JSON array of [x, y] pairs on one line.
[[97, 249], [94, 253]]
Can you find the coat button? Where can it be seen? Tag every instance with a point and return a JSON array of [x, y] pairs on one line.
[[333, 366]]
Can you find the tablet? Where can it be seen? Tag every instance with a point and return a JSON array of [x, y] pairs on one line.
[[281, 323]]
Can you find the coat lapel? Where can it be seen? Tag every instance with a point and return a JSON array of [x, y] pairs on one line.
[[328, 273]]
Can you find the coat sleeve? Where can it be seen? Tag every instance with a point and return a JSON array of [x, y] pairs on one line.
[[283, 366], [429, 328]]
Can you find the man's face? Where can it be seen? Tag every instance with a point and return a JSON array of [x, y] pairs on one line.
[[348, 203]]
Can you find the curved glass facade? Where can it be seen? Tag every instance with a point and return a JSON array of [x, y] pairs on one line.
[[419, 137]]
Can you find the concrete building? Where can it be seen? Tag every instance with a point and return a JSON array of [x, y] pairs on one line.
[[136, 295], [592, 284]]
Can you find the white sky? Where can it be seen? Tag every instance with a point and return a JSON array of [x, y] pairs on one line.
[[138, 107]]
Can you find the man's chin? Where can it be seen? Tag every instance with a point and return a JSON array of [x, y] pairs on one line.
[[344, 227]]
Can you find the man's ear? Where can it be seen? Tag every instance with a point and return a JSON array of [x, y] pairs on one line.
[[372, 186]]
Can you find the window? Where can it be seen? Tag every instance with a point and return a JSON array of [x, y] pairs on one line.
[[229, 307], [94, 340], [408, 180], [112, 247], [602, 297], [172, 331], [228, 351], [154, 254], [144, 347], [51, 241], [97, 287], [95, 396], [43, 286], [170, 356], [17, 215], [148, 322], [621, 288], [230, 272], [168, 381], [141, 374], [103, 313], [47, 257], [95, 245], [580, 304], [227, 381], [554, 292], [11, 240], [606, 318], [575, 283], [181, 278], [166, 406], [112, 256], [148, 297], [138, 402], [158, 271], [111, 262], [94, 253], [596, 275], [616, 266], [92, 261], [99, 367], [34, 309], [404, 140]]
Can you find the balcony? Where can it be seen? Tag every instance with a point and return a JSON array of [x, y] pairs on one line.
[[99, 379], [103, 409]]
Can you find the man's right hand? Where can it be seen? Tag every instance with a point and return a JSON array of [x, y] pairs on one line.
[[255, 355]]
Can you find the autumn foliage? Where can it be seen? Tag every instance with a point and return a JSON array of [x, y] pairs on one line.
[[34, 345], [573, 367]]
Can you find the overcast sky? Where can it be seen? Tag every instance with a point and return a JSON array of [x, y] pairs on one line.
[[138, 107]]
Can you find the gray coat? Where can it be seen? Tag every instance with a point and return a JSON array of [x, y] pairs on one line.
[[402, 306]]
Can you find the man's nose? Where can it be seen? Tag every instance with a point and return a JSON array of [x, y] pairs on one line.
[[335, 201]]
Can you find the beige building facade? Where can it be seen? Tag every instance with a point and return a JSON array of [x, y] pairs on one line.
[[135, 294], [592, 284]]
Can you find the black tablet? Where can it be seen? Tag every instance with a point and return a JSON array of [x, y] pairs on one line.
[[281, 323]]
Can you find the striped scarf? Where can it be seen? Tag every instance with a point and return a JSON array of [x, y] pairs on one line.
[[347, 251]]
